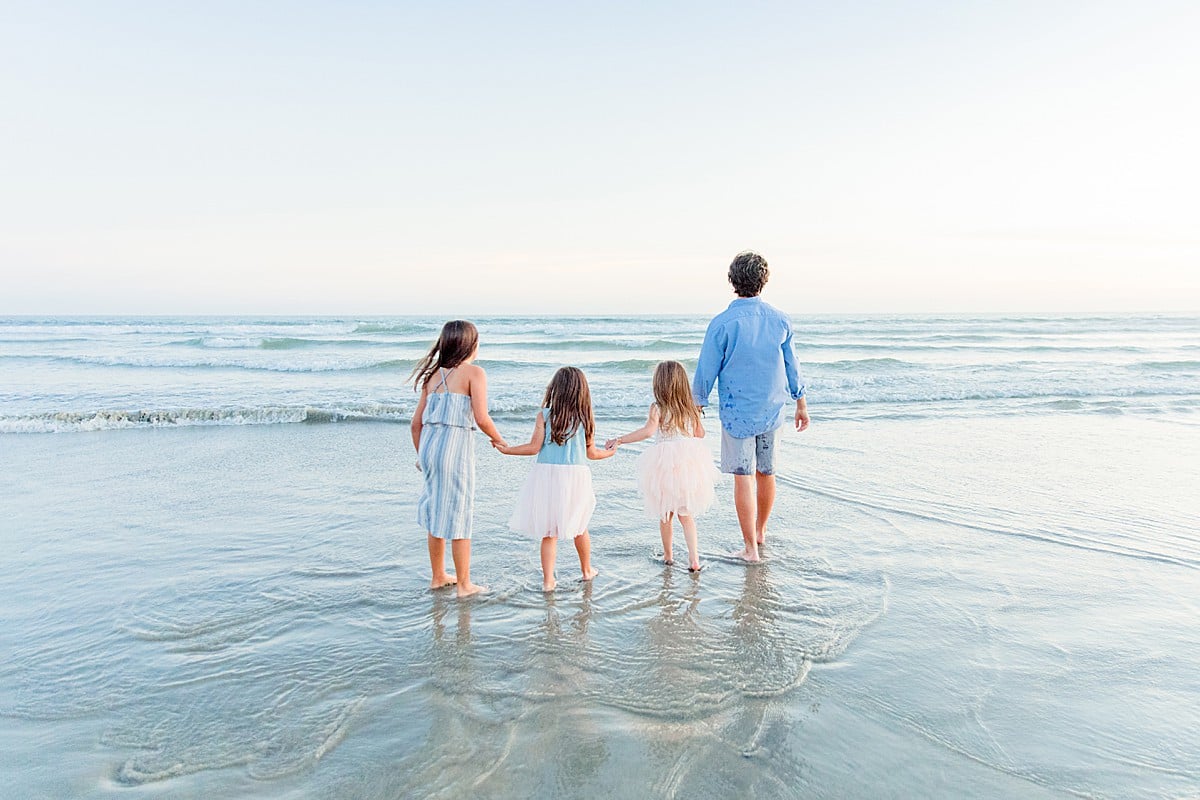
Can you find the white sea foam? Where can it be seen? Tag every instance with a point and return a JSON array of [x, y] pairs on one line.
[[66, 422]]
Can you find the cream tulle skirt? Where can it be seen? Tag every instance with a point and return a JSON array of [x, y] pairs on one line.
[[557, 500], [676, 476]]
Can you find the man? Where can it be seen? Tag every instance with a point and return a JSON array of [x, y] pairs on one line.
[[747, 352]]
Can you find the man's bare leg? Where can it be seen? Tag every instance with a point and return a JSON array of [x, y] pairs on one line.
[[745, 501], [765, 484]]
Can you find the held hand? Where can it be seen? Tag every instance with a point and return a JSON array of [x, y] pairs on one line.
[[499, 444], [612, 444], [419, 467]]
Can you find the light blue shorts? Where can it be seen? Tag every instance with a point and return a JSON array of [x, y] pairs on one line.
[[747, 456]]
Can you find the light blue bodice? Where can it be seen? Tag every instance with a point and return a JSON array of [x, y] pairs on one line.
[[448, 408], [572, 451]]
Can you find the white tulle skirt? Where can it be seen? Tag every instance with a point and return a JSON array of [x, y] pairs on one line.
[[676, 476], [557, 500]]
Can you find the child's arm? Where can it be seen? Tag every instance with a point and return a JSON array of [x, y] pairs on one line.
[[477, 388], [415, 426], [698, 429], [644, 432], [598, 453], [533, 446]]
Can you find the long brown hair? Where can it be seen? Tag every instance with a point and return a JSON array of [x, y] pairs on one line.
[[455, 344], [570, 402], [676, 408]]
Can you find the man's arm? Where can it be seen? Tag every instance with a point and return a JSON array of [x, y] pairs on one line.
[[712, 359], [801, 414], [795, 383]]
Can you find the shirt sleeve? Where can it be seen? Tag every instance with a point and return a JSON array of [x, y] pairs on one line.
[[794, 381], [712, 357]]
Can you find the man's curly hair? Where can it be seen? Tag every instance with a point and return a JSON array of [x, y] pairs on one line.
[[748, 273]]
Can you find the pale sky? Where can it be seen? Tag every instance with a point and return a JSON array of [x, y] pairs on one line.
[[475, 158]]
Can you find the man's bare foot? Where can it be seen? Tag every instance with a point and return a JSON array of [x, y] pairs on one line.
[[442, 581], [469, 589], [549, 586], [591, 573]]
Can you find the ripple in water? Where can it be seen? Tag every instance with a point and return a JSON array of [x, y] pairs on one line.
[[271, 674]]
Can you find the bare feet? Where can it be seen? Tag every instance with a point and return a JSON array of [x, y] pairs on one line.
[[668, 561], [549, 586], [749, 555], [590, 573], [469, 589], [694, 566], [442, 581]]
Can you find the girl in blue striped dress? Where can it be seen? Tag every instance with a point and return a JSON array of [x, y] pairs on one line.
[[556, 501], [453, 403]]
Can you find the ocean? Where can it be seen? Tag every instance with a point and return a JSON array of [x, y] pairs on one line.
[[982, 577]]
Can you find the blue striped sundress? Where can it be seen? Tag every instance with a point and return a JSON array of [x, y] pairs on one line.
[[447, 459]]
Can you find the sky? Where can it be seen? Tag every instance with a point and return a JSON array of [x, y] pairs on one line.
[[564, 158]]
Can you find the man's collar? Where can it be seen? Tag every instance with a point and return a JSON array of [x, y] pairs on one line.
[[741, 300]]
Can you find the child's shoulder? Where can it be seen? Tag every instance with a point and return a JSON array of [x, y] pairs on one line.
[[472, 372]]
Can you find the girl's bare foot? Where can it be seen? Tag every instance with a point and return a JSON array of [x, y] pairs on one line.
[[442, 581], [668, 561], [694, 566], [469, 589], [549, 586], [749, 555], [588, 574]]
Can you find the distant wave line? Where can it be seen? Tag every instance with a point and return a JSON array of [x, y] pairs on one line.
[[901, 345], [118, 362], [298, 343], [400, 364], [1165, 366]]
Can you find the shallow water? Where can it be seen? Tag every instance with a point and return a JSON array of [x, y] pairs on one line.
[[993, 595], [243, 611]]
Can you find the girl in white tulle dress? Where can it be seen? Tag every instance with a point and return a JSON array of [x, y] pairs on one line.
[[676, 473], [557, 500]]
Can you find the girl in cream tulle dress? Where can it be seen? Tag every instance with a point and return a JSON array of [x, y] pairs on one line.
[[556, 501], [676, 473]]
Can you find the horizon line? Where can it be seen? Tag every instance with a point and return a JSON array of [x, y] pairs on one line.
[[590, 315]]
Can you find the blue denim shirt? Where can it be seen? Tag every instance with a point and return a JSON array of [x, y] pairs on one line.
[[747, 352]]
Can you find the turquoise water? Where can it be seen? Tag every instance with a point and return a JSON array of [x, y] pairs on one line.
[[982, 580]]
